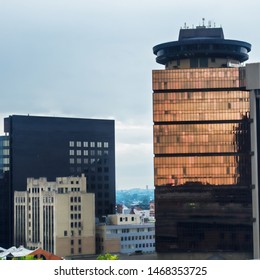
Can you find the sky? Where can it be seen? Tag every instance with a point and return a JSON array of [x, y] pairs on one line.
[[94, 59]]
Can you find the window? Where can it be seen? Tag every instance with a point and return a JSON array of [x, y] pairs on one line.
[[99, 144], [105, 144], [71, 144], [65, 233], [92, 144], [6, 152], [71, 152], [85, 152], [72, 161], [78, 152], [85, 144], [78, 144]]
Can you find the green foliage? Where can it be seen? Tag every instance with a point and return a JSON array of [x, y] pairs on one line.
[[107, 256], [140, 197], [26, 258]]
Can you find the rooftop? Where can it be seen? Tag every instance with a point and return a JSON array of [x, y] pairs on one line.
[[201, 41]]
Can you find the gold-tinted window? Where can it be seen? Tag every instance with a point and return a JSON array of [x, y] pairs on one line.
[[201, 127]]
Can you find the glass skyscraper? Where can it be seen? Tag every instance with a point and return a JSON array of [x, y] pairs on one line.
[[202, 150]]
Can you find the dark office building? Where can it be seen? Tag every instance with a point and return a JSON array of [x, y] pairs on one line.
[[202, 146], [55, 147]]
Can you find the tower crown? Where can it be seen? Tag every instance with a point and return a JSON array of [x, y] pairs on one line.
[[202, 42]]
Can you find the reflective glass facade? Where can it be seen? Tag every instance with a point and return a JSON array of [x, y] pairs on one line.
[[202, 160], [201, 129], [5, 196]]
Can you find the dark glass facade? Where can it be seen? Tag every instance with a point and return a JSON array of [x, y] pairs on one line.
[[5, 195], [202, 159], [59, 147]]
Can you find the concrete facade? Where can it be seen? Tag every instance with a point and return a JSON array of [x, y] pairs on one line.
[[125, 234], [56, 216], [253, 84]]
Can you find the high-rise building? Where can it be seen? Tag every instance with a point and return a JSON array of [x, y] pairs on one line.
[[202, 146], [56, 216], [52, 147]]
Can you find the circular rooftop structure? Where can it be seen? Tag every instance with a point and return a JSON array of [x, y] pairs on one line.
[[201, 42]]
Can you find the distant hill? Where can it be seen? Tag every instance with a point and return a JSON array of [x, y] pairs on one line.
[[136, 196]]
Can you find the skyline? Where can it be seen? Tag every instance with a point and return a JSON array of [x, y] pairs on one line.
[[94, 59]]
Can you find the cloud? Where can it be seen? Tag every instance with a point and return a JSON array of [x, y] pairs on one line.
[[94, 59], [134, 154]]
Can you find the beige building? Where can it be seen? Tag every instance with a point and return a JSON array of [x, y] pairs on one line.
[[56, 216]]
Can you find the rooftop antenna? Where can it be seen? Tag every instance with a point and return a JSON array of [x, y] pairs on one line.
[[209, 23], [185, 25], [203, 20]]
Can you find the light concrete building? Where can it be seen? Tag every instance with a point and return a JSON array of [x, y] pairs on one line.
[[56, 216], [126, 234], [253, 85]]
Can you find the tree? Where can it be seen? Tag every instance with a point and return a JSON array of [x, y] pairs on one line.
[[107, 256]]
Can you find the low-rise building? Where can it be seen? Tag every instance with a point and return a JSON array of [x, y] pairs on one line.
[[126, 234], [152, 208]]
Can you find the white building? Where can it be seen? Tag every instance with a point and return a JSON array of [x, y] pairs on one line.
[[125, 233], [57, 216]]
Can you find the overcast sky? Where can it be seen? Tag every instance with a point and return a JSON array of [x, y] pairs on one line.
[[93, 59]]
